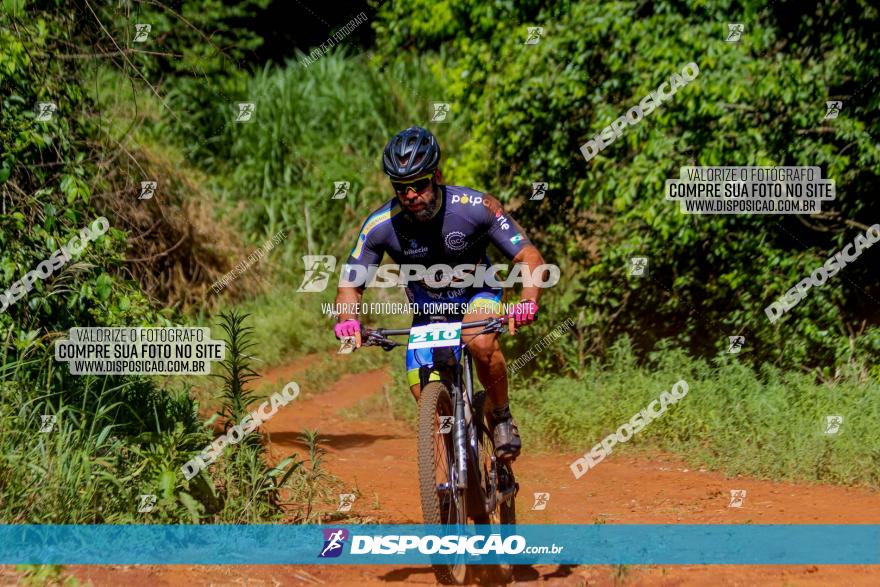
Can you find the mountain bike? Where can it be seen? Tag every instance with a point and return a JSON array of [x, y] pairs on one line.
[[459, 476]]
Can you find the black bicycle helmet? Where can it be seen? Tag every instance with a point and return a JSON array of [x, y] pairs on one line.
[[411, 153]]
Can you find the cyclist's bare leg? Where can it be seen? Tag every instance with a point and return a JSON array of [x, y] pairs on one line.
[[488, 358], [416, 390], [492, 371]]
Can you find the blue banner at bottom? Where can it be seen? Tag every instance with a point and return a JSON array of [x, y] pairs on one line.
[[670, 544]]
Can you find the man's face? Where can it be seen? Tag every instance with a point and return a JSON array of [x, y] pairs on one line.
[[418, 197]]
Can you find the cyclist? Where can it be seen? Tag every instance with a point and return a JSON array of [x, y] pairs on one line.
[[429, 223]]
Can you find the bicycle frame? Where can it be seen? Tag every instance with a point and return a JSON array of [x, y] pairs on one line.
[[458, 374]]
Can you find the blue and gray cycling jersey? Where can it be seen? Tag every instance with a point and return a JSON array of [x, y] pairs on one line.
[[466, 224]]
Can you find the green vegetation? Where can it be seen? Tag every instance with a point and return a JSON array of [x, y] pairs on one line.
[[114, 438], [768, 424], [759, 102]]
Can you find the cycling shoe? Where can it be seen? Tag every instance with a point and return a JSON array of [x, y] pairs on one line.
[[506, 435]]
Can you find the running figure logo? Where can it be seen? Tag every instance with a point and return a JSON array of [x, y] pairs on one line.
[[737, 497], [832, 424], [445, 424], [47, 423], [148, 189], [735, 32], [341, 189], [534, 37], [245, 111], [148, 502], [45, 110], [319, 269], [141, 32], [440, 110], [334, 539], [541, 500], [347, 345], [638, 266], [736, 344], [539, 190], [346, 501], [833, 109]]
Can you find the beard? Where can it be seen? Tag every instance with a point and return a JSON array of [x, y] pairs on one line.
[[428, 211]]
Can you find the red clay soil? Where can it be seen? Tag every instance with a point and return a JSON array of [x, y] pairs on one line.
[[377, 456]]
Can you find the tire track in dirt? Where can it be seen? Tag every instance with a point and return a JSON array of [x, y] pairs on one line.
[[377, 456]]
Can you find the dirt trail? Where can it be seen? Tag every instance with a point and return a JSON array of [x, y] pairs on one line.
[[377, 456]]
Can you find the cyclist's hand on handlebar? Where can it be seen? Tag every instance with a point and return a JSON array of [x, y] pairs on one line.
[[520, 314], [350, 327]]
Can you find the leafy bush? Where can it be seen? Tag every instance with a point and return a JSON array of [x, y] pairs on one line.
[[768, 424], [116, 437], [759, 102]]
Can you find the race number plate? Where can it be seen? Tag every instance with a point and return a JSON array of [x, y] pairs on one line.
[[435, 335]]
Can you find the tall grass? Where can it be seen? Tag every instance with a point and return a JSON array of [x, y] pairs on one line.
[[117, 438], [768, 424], [315, 126], [113, 440]]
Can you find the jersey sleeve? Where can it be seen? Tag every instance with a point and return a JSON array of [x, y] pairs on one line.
[[366, 254], [503, 231]]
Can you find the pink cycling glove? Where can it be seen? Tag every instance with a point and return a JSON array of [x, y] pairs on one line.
[[524, 312], [348, 327]]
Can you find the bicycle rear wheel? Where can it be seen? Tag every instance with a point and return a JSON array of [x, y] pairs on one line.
[[442, 503], [495, 477]]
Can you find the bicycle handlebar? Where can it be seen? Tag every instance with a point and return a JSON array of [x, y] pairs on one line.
[[401, 331], [379, 336]]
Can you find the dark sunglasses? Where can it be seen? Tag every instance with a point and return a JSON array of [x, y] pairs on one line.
[[418, 184]]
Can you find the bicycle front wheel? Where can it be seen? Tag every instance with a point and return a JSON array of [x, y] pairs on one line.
[[442, 502]]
